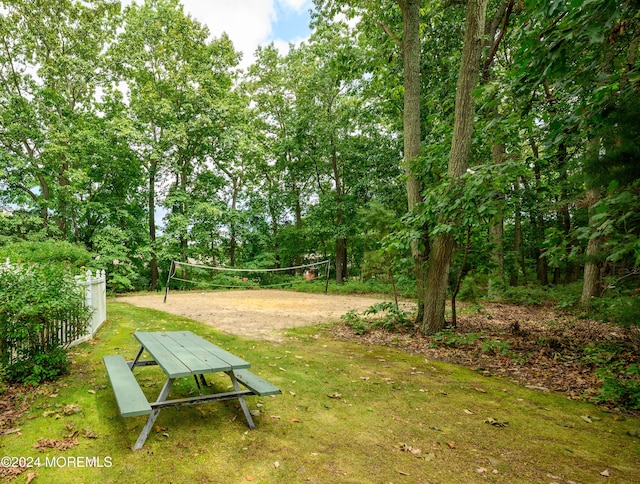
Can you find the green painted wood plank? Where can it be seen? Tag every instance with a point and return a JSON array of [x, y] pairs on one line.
[[187, 356], [131, 401], [197, 358], [256, 384], [172, 366], [194, 341]]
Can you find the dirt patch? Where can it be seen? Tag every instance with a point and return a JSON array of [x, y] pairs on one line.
[[255, 314]]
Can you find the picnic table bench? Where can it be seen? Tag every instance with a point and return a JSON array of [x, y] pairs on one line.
[[180, 354]]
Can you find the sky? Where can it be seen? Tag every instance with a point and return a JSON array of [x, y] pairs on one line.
[[250, 23]]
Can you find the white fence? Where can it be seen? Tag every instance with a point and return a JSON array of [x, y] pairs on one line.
[[95, 297]]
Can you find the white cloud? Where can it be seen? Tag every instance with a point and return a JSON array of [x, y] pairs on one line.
[[247, 22], [296, 5]]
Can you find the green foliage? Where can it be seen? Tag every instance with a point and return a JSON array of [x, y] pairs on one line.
[[531, 295], [356, 322], [384, 315], [53, 252], [497, 347], [114, 247], [41, 367], [620, 378], [621, 385], [473, 287], [451, 338], [35, 303], [623, 309], [616, 219]]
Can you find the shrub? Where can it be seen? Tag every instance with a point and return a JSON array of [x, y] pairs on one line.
[[35, 303], [47, 252], [621, 385], [621, 309], [385, 315]]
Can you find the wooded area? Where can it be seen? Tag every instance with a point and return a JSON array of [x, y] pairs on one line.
[[439, 144]]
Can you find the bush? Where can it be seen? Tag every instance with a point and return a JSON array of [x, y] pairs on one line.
[[620, 309], [47, 252], [35, 302], [621, 385], [41, 367], [385, 315]]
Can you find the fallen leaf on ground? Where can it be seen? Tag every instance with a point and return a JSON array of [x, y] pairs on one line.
[[335, 395], [451, 444], [495, 423], [71, 409], [64, 444], [89, 434], [407, 448]]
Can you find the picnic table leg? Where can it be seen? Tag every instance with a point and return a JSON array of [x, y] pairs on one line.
[[243, 404], [154, 414], [133, 363]]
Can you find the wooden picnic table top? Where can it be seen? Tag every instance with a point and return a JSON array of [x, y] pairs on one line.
[[183, 353]]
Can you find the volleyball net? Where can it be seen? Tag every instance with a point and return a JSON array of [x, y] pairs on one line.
[[185, 276]]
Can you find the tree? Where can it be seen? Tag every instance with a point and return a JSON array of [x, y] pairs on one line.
[[586, 55], [177, 83], [442, 247], [51, 65]]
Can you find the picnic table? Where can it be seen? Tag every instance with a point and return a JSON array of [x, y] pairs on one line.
[[180, 354]]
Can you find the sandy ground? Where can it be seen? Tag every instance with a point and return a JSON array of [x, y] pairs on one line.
[[254, 313]]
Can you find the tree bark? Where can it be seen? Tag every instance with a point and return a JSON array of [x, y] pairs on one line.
[[592, 285], [410, 46], [442, 248], [519, 264], [233, 243], [537, 221], [496, 232], [341, 242], [151, 207]]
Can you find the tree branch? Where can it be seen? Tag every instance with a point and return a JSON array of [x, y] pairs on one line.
[[507, 9], [390, 33]]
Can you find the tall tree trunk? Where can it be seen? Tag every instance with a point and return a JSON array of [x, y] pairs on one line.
[[232, 224], [63, 183], [564, 216], [151, 207], [410, 46], [184, 176], [341, 241], [592, 285], [519, 265], [537, 221], [442, 248], [496, 232], [298, 212]]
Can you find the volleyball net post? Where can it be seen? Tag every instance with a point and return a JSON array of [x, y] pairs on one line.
[[169, 275]]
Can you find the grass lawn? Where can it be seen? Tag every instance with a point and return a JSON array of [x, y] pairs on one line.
[[348, 413]]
